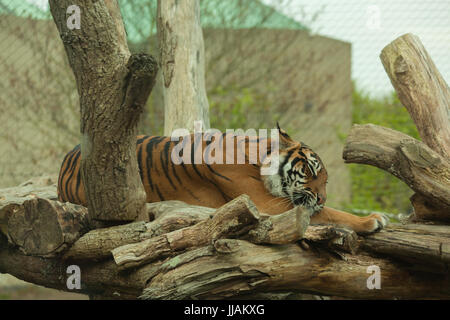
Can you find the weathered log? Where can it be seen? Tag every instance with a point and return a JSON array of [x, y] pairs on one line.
[[168, 216], [32, 220], [11, 199], [233, 267], [425, 247], [284, 228], [421, 89], [424, 209], [176, 208], [410, 160], [336, 239], [232, 219], [240, 268], [43, 227]]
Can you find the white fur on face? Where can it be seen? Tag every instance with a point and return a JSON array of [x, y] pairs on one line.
[[273, 183], [295, 178]]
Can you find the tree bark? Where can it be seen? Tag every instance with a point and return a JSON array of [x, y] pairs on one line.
[[113, 86], [418, 255], [242, 268], [168, 216], [425, 247], [182, 61], [231, 220], [422, 169], [421, 89]]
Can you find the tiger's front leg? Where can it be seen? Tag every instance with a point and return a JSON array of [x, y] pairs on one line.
[[361, 225]]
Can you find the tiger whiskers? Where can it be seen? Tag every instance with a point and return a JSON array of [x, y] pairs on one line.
[[277, 202]]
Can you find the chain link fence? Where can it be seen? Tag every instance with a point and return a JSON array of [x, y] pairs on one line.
[[299, 64]]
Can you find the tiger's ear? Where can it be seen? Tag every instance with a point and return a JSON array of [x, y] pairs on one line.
[[285, 140]]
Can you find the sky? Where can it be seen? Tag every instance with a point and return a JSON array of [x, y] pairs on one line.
[[369, 25]]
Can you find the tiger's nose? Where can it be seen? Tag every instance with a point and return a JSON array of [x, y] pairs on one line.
[[321, 198]]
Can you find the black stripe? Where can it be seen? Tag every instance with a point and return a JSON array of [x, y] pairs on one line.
[[193, 162], [280, 169], [72, 167], [216, 173], [182, 160], [139, 141], [163, 156], [153, 142], [70, 161], [254, 177], [139, 156], [159, 193], [77, 188], [295, 161], [67, 159], [192, 195]]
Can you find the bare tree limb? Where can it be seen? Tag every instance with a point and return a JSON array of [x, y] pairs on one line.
[[422, 169], [421, 89], [232, 219], [230, 268]]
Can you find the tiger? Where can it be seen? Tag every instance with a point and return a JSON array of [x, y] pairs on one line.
[[300, 179]]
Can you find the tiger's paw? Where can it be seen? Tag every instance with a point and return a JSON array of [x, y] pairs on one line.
[[372, 223]]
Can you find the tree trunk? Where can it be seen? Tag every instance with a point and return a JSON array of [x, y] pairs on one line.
[[421, 89], [113, 86], [182, 62]]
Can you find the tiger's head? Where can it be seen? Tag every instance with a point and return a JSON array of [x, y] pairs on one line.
[[301, 175]]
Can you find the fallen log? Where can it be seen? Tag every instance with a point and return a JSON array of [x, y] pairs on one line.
[[244, 268], [167, 216], [231, 220], [424, 247], [43, 227]]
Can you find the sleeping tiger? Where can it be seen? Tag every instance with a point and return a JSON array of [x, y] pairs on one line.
[[300, 180]]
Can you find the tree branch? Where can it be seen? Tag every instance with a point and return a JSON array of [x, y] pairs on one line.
[[421, 89], [422, 169]]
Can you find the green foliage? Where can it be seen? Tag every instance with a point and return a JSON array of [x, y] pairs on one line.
[[372, 188], [240, 108]]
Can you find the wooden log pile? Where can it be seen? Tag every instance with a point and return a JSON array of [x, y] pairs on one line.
[[185, 251]]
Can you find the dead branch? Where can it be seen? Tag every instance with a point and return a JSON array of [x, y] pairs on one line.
[[422, 169], [231, 220], [168, 216], [232, 267], [421, 89]]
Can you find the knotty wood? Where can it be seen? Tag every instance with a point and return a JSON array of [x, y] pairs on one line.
[[235, 267], [422, 169], [421, 89], [231, 220], [113, 86]]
